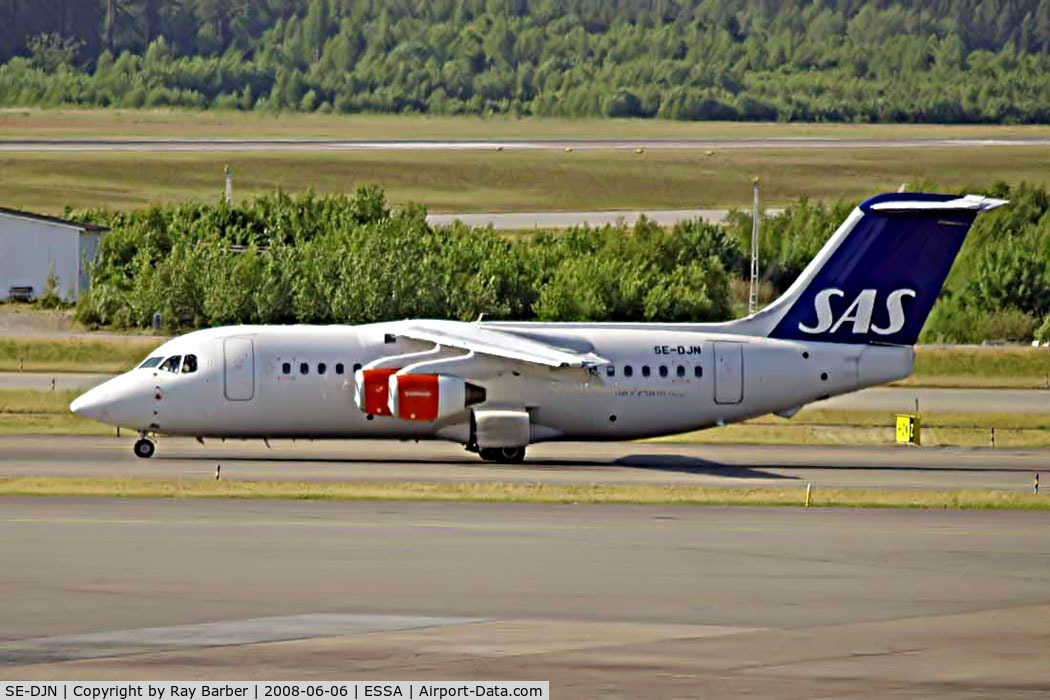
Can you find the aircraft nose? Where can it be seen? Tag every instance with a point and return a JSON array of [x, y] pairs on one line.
[[91, 404], [123, 400]]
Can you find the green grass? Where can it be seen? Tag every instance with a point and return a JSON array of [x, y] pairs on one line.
[[832, 434], [27, 401], [73, 354], [488, 492], [470, 181], [29, 412], [1001, 367], [20, 123], [813, 426], [51, 424]]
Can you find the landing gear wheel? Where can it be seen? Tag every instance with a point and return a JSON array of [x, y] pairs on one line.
[[144, 448], [504, 455]]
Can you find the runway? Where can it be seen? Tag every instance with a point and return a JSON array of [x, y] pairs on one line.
[[516, 221], [328, 144], [602, 601], [752, 466]]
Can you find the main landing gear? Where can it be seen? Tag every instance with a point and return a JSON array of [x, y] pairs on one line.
[[506, 455], [144, 447]]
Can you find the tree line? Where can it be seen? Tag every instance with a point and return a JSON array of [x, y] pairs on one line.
[[351, 259], [948, 61]]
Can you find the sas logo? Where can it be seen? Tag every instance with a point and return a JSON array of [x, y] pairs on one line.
[[859, 312]]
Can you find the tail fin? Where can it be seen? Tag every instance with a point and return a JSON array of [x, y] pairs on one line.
[[877, 277]]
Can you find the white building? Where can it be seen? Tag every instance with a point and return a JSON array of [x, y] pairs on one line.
[[31, 243]]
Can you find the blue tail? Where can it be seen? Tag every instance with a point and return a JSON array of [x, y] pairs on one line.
[[878, 276]]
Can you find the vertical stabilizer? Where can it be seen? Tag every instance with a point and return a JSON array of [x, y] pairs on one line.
[[878, 276]]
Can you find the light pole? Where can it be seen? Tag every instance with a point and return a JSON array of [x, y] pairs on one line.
[[752, 303]]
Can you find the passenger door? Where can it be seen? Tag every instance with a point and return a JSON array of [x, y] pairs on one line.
[[729, 372], [239, 360]]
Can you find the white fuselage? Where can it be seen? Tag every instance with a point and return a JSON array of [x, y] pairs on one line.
[[268, 381]]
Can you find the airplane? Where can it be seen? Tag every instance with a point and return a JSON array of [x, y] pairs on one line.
[[848, 322]]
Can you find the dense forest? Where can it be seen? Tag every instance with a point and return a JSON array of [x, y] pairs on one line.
[[350, 259], [948, 61]]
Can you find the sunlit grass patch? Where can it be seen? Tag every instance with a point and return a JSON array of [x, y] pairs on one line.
[[31, 122], [102, 354], [478, 181], [488, 492]]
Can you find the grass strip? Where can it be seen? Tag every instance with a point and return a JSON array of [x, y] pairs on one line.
[[494, 492], [980, 367], [482, 181], [73, 354], [35, 122], [751, 434], [52, 424]]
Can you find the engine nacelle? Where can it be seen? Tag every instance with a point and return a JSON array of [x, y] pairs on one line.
[[372, 390], [428, 397]]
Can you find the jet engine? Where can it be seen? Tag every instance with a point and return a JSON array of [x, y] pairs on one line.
[[428, 397], [371, 390]]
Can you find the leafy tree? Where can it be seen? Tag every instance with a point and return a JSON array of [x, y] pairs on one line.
[[958, 61], [351, 259]]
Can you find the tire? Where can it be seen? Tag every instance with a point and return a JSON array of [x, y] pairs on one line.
[[144, 448], [503, 455]]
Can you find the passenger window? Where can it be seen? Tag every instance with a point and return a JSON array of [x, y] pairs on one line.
[[357, 366], [151, 362], [171, 364], [189, 364], [321, 368], [628, 370], [610, 370], [338, 367], [680, 371], [304, 367], [286, 368], [698, 371], [663, 370], [645, 370]]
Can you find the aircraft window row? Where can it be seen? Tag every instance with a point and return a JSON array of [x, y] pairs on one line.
[[322, 368], [680, 371]]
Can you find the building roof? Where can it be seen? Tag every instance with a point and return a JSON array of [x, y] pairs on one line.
[[52, 220]]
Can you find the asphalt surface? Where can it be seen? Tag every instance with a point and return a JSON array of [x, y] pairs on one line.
[[560, 463], [602, 601], [514, 221], [314, 144]]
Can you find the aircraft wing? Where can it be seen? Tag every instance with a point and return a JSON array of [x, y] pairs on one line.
[[488, 341]]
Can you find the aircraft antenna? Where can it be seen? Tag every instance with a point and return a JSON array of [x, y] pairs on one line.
[[752, 303]]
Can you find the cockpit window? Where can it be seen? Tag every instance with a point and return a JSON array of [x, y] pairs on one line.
[[151, 362], [189, 364], [171, 364]]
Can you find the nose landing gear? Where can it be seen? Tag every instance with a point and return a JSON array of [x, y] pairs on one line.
[[144, 448]]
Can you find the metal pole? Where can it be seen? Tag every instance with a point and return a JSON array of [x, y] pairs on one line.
[[229, 184], [752, 303]]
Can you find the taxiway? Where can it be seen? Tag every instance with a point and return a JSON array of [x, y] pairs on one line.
[[602, 601], [561, 463]]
